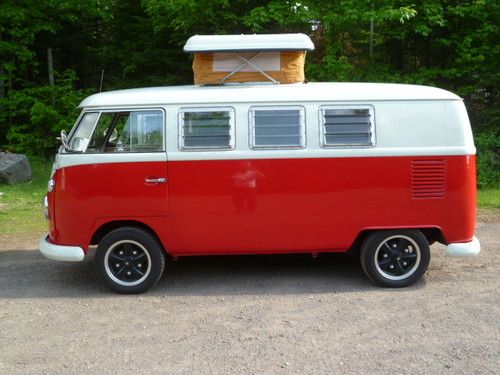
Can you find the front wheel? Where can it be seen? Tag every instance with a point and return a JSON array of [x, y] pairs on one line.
[[395, 258], [129, 260]]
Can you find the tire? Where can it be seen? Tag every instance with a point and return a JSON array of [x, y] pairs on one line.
[[395, 258], [129, 260]]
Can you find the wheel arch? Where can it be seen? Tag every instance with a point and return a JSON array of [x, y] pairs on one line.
[[105, 228], [432, 234]]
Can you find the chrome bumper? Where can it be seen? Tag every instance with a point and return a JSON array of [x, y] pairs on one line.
[[464, 249], [59, 252]]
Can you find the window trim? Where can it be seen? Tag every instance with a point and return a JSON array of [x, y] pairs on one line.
[[232, 129], [135, 109], [322, 135], [251, 127]]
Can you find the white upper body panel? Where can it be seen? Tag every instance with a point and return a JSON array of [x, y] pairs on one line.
[[253, 42], [408, 120], [300, 92]]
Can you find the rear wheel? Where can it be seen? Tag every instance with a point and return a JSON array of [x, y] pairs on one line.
[[129, 260], [395, 258]]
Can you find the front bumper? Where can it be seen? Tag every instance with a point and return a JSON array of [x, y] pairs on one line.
[[59, 252], [464, 249]]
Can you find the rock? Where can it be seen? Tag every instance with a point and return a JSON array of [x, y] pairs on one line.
[[14, 168]]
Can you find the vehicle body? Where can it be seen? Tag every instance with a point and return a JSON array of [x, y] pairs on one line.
[[317, 167]]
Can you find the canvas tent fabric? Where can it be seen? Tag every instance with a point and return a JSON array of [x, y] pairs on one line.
[[291, 70], [220, 59]]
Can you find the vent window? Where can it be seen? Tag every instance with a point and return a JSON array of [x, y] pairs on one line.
[[347, 126], [206, 128], [277, 127]]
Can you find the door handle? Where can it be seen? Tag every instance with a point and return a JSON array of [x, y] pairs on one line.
[[159, 180]]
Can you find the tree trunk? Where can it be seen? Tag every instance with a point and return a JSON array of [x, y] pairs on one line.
[[2, 83], [2, 86], [50, 66]]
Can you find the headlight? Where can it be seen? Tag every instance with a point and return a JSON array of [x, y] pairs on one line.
[[46, 207], [50, 185]]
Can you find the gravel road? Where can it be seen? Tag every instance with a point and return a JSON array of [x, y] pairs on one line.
[[252, 315]]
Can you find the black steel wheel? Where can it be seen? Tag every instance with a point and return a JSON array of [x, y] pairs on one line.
[[129, 260], [395, 258]]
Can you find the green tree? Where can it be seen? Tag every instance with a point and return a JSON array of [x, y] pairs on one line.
[[31, 111], [446, 43]]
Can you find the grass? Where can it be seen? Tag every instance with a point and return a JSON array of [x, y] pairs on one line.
[[489, 198], [21, 209]]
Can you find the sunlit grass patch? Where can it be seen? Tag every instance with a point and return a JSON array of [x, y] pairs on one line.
[[489, 198], [21, 209]]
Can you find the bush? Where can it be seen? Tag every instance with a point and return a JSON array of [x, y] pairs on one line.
[[488, 157], [32, 118]]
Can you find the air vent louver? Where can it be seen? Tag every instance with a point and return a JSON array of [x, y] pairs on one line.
[[428, 178]]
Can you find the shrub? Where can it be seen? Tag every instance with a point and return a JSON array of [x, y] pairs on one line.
[[488, 157], [31, 118]]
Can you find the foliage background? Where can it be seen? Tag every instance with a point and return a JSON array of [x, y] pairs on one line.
[[452, 44]]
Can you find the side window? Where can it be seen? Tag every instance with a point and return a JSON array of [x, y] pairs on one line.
[[128, 131], [347, 125], [277, 127], [206, 128]]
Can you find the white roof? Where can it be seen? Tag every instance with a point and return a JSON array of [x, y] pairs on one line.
[[254, 42], [297, 93]]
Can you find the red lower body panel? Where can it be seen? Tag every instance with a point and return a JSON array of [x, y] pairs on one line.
[[271, 205]]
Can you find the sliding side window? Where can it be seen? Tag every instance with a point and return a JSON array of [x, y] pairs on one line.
[[206, 129], [347, 126], [277, 127]]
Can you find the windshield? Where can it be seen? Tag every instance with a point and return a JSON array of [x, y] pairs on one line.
[[81, 136]]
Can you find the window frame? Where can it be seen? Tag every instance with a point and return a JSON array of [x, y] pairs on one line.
[[251, 127], [232, 128], [322, 132], [122, 109]]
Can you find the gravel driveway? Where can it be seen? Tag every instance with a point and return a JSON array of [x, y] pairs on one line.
[[252, 314]]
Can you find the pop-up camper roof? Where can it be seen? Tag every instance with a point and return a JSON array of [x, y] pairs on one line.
[[255, 42], [221, 59]]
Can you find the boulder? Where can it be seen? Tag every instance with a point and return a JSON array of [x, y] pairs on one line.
[[14, 168]]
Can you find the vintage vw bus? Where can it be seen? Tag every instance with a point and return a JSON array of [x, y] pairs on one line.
[[382, 170]]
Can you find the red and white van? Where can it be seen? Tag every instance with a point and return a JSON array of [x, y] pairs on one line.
[[385, 169]]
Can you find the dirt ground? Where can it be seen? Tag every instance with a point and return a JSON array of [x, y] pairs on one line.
[[252, 315]]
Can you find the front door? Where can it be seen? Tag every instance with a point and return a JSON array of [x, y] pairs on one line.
[[123, 165]]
